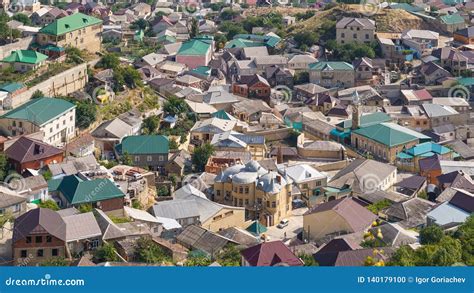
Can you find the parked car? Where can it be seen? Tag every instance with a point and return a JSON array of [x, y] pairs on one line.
[[283, 223]]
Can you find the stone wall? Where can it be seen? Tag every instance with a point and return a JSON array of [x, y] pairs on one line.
[[22, 44]]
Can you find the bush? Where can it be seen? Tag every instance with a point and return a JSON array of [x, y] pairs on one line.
[[431, 235], [49, 204]]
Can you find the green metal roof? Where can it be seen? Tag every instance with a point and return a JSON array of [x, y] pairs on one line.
[[270, 41], [202, 70], [11, 87], [466, 81], [332, 65], [389, 134], [366, 120], [221, 114], [241, 43], [194, 47], [144, 145], [69, 23], [256, 228], [452, 19], [78, 191], [427, 147], [25, 56], [40, 111]]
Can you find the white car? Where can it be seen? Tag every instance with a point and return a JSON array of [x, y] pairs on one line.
[[283, 223]]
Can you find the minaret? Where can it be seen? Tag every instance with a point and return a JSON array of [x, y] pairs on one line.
[[355, 111]]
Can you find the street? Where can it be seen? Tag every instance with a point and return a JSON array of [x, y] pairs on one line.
[[295, 225]]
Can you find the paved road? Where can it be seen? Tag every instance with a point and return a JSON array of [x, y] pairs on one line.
[[295, 225]]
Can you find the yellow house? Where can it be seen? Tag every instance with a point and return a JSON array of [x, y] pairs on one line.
[[77, 30], [266, 196]]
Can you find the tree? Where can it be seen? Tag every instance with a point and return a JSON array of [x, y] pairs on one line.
[[301, 78], [74, 55], [105, 253], [47, 175], [404, 256], [162, 191], [231, 29], [109, 61], [173, 144], [229, 256], [431, 235], [307, 38], [126, 76], [4, 219], [21, 17], [4, 166], [55, 262], [146, 250], [37, 94], [198, 261], [49, 204], [85, 208], [175, 106], [194, 28], [85, 113], [308, 260], [201, 156], [139, 24], [150, 124], [465, 234], [127, 159]]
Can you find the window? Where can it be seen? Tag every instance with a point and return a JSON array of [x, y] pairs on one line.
[[318, 183], [343, 35], [39, 253], [241, 189], [218, 192], [246, 189], [49, 239], [274, 204], [246, 201], [161, 158], [148, 158], [54, 252], [38, 239], [355, 36], [51, 130], [14, 123], [137, 158], [23, 253], [28, 239], [367, 36]]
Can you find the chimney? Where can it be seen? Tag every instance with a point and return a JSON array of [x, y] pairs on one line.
[[278, 179]]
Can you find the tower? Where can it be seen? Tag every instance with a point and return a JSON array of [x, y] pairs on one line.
[[355, 111]]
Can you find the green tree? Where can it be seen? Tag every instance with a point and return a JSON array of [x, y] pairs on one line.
[[194, 28], [4, 166], [431, 235], [465, 234], [21, 17], [231, 29], [229, 256], [201, 156], [404, 256], [37, 94], [162, 191], [308, 260], [109, 61], [47, 175], [85, 208], [175, 106], [49, 204], [105, 253], [150, 124], [307, 38], [149, 252], [198, 261], [127, 159], [55, 262], [85, 113], [4, 219], [301, 78], [74, 55], [139, 24], [173, 144]]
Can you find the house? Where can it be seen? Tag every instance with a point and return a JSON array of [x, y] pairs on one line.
[[277, 76], [27, 153], [452, 22], [76, 190], [269, 254], [56, 118], [252, 86], [160, 24], [82, 146], [301, 62], [195, 52], [141, 10], [178, 163], [110, 133], [234, 141], [452, 213], [250, 110], [310, 91], [411, 186], [417, 39], [453, 59], [149, 151], [332, 74], [200, 239], [309, 181], [359, 178], [433, 73], [25, 60], [82, 231], [50, 16], [265, 195], [76, 30], [441, 115], [464, 36], [204, 131], [264, 62], [38, 235], [337, 217], [409, 214], [11, 202], [350, 29], [34, 189], [393, 235], [430, 168]]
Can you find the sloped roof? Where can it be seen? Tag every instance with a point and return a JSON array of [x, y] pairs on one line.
[[38, 220], [69, 23], [390, 134], [40, 111], [270, 254], [27, 150], [81, 226], [25, 56], [331, 65], [144, 145], [194, 47]]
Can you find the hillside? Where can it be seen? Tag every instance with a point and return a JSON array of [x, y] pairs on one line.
[[392, 20]]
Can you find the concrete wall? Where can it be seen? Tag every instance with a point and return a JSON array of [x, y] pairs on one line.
[[22, 44]]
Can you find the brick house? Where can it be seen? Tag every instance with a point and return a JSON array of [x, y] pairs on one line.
[[252, 86]]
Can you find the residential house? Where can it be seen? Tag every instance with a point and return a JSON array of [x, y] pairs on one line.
[[110, 133], [34, 189], [430, 168], [453, 59], [411, 186], [433, 73], [198, 238], [409, 158], [350, 29], [310, 91], [441, 115], [149, 151], [76, 190], [269, 254], [337, 217], [141, 10], [56, 118], [83, 233], [464, 36], [76, 30], [195, 52], [411, 213], [50, 16], [309, 181], [420, 40], [24, 60], [264, 62], [332, 74], [300, 63], [265, 195], [416, 97], [277, 76], [452, 22], [234, 141], [252, 86], [204, 131], [27, 153], [250, 110], [11, 202]]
